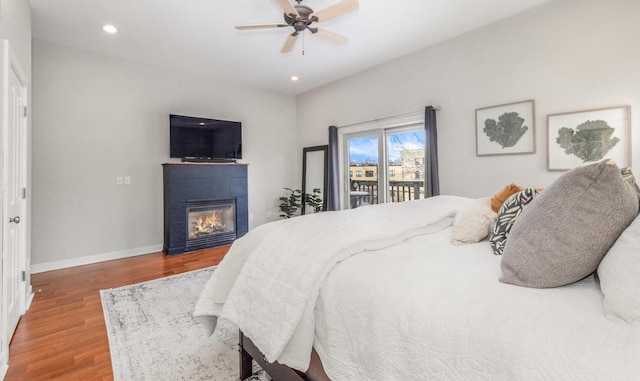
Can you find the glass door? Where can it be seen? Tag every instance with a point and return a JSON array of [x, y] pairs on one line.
[[363, 153], [385, 165], [405, 171]]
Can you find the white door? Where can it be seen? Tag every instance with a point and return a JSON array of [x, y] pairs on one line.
[[15, 175], [14, 168]]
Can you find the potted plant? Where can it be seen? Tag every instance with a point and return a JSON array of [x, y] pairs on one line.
[[290, 204], [314, 200]]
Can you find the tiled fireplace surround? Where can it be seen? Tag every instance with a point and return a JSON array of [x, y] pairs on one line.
[[216, 195]]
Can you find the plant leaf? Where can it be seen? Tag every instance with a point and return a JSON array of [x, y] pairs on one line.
[[507, 131], [590, 141]]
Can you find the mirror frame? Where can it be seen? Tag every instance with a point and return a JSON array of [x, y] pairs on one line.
[[305, 151]]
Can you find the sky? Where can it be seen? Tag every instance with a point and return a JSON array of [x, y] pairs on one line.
[[366, 148]]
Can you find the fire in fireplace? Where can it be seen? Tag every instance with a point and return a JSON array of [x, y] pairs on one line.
[[214, 221], [210, 223]]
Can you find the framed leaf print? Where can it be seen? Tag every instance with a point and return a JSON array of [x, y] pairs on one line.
[[506, 129], [583, 137]]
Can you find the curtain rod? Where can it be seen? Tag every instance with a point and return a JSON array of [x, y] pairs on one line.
[[437, 108]]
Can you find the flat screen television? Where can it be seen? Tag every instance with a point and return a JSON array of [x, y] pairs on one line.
[[193, 138]]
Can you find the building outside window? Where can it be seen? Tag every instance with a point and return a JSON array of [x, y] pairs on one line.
[[368, 174], [358, 173]]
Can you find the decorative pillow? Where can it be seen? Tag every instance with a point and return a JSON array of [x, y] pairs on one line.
[[509, 212], [619, 274], [503, 194], [566, 231], [473, 223], [629, 177]]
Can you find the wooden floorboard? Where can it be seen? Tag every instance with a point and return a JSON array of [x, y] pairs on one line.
[[63, 335]]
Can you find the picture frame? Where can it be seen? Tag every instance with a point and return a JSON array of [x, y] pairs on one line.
[[582, 137], [506, 129]]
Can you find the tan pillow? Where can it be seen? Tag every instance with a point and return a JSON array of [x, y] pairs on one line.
[[503, 194], [473, 223], [564, 233]]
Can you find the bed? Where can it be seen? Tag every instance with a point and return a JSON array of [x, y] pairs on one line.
[[408, 304]]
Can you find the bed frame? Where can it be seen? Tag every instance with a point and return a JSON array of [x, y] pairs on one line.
[[277, 371]]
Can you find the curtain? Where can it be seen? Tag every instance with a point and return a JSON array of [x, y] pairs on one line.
[[431, 181], [333, 193]]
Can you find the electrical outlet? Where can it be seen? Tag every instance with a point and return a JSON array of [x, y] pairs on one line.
[[271, 214], [250, 217], [127, 180], [119, 180]]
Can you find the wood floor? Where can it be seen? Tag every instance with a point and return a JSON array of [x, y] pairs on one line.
[[63, 335]]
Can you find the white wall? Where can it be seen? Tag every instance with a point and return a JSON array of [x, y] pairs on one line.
[[15, 26], [97, 117], [567, 55]]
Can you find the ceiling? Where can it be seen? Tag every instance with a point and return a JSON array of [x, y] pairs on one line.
[[198, 36]]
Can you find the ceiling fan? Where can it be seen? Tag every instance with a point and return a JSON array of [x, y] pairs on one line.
[[301, 17]]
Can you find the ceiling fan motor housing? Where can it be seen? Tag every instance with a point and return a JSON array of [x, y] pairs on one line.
[[301, 22]]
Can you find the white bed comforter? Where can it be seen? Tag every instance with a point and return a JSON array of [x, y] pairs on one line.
[[269, 281], [427, 310]]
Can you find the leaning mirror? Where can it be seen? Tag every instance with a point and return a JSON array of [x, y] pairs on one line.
[[314, 178]]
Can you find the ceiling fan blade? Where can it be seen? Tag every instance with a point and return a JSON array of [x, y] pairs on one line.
[[288, 44], [259, 26], [287, 7], [335, 10], [331, 36]]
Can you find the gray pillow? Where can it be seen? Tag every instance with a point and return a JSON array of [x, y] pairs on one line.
[[562, 236]]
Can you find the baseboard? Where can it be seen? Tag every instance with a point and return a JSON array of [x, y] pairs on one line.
[[57, 265], [30, 296]]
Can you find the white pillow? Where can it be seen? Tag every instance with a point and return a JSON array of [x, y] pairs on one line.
[[619, 274], [473, 223]]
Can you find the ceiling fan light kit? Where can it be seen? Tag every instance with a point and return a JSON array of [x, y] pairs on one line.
[[302, 17]]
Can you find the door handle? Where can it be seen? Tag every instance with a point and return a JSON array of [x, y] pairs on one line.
[[15, 219]]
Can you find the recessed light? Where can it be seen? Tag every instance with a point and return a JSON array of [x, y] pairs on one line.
[[294, 78], [202, 123], [110, 29]]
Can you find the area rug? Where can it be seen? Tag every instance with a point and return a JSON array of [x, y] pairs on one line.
[[154, 336]]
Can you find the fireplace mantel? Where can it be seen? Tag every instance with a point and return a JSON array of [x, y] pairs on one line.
[[200, 181], [205, 163]]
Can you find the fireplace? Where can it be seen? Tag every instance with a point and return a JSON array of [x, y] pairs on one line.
[[205, 205], [210, 223]]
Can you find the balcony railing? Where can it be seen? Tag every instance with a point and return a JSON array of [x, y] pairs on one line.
[[366, 191]]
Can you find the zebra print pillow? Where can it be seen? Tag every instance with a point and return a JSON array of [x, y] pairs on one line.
[[509, 212]]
